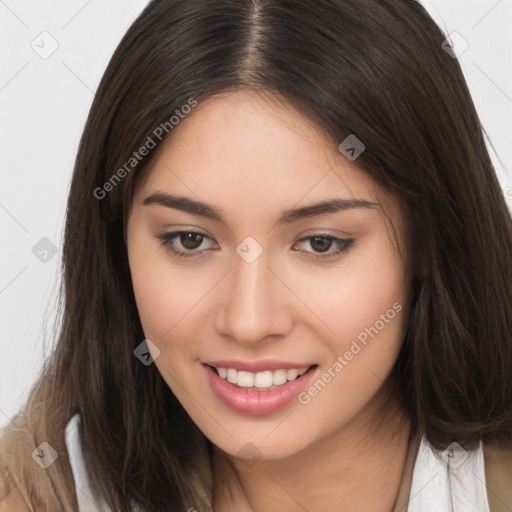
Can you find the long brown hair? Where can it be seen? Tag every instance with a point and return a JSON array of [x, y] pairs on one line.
[[373, 68]]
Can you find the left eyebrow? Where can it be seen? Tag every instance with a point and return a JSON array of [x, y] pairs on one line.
[[288, 216]]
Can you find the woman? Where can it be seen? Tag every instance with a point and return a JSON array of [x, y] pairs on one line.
[[286, 272]]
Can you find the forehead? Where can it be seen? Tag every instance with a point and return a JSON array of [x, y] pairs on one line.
[[257, 148]]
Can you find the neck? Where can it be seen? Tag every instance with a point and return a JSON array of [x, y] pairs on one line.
[[358, 467]]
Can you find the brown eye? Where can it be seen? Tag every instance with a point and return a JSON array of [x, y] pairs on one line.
[[321, 243], [185, 244], [191, 240]]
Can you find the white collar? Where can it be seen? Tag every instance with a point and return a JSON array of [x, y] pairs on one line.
[[87, 497], [448, 481]]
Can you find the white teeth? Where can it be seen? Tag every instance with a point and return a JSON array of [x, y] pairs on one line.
[[263, 379], [260, 380], [278, 377], [231, 375], [245, 379], [292, 374]]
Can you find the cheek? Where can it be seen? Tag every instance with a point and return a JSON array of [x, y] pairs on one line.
[[366, 312], [353, 296], [164, 293]]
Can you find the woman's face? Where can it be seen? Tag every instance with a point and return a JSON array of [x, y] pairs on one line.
[[262, 284]]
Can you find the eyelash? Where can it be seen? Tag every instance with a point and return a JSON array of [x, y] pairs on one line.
[[167, 241]]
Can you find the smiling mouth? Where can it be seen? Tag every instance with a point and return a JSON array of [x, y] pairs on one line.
[[260, 381]]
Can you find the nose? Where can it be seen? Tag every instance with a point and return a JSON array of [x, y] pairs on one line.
[[254, 304]]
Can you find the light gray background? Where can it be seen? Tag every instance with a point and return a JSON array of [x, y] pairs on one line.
[[44, 104]]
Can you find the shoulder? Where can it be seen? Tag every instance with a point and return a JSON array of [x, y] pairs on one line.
[[14, 442], [16, 494], [12, 500], [498, 474], [25, 483]]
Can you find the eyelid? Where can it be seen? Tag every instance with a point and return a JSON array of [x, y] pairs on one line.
[[328, 232]]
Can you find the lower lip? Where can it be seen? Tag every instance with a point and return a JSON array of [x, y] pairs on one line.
[[257, 402]]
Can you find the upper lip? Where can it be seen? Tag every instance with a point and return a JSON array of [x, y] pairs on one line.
[[257, 366]]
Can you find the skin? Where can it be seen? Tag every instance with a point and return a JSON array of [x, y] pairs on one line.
[[251, 157]]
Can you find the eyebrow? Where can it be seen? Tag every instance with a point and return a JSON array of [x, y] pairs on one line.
[[288, 216]]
